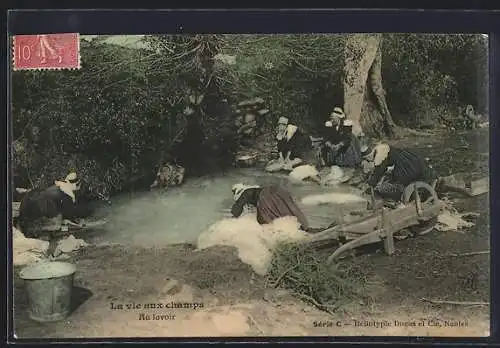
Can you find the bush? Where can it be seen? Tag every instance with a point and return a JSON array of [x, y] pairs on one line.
[[115, 119], [112, 121], [427, 76], [298, 75]]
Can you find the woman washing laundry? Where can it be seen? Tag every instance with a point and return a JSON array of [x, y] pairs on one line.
[[292, 143], [392, 169], [272, 202], [58, 202], [44, 211], [341, 147]]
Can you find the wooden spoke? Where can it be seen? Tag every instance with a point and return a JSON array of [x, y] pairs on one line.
[[415, 192]]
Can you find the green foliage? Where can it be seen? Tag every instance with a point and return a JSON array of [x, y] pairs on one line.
[[104, 117], [298, 75], [429, 76], [306, 273], [115, 118], [425, 76]]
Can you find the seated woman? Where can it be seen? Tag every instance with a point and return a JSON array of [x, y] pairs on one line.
[[292, 144], [392, 169], [331, 135], [272, 202], [341, 147]]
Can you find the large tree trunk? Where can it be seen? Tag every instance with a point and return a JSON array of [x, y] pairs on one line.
[[364, 95]]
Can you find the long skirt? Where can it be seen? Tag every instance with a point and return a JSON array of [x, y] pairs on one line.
[[408, 168], [390, 190], [349, 158], [276, 202]]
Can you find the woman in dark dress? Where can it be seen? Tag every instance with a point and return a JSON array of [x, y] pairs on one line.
[[348, 148], [394, 169], [292, 145], [341, 146], [272, 202]]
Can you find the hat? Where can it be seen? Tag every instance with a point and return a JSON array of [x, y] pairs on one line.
[[239, 188], [71, 177], [366, 149], [283, 120], [337, 112], [328, 124], [348, 123]]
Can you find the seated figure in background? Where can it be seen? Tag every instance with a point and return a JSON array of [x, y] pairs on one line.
[[341, 146], [168, 175], [292, 144], [392, 169]]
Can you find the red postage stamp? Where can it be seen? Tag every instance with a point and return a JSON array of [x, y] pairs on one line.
[[45, 52]]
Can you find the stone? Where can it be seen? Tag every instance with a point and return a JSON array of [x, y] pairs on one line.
[[172, 287], [69, 244]]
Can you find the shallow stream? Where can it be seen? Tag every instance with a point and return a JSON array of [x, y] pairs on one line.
[[181, 214]]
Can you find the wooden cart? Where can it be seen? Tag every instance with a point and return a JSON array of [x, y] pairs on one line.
[[419, 210]]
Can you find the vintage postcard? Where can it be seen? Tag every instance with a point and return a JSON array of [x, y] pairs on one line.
[[250, 185]]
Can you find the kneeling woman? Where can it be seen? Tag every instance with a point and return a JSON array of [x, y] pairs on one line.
[[393, 169], [342, 147], [292, 144], [50, 207], [272, 202]]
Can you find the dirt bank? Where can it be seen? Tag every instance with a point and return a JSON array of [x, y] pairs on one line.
[[236, 302]]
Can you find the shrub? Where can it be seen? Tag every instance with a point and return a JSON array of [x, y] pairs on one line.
[[426, 73], [116, 118], [112, 121], [298, 75]]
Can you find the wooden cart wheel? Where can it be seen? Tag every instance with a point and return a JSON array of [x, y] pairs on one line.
[[420, 192], [425, 192]]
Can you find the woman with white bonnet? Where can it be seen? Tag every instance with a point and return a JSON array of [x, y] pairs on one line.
[[392, 169], [272, 202], [292, 144], [57, 200], [341, 147]]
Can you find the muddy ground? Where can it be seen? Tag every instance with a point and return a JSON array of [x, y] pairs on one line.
[[236, 302]]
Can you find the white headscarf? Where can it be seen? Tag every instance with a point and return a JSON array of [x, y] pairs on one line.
[[69, 185], [337, 112], [239, 188], [376, 154], [283, 120], [281, 134]]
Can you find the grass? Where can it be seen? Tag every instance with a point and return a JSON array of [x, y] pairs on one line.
[[305, 272]]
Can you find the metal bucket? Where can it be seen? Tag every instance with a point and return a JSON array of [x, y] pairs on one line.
[[49, 286]]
